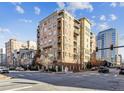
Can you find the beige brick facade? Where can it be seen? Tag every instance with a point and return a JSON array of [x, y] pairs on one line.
[[63, 38]]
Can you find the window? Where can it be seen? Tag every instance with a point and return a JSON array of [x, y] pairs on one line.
[[88, 29], [87, 40], [45, 23], [54, 33], [50, 33], [45, 29], [50, 41]]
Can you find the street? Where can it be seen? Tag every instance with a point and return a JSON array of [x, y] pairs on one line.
[[83, 81]]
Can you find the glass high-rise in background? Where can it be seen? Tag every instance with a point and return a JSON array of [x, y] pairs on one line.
[[104, 40]]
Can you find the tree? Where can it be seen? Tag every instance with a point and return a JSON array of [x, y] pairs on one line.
[[36, 60], [89, 65]]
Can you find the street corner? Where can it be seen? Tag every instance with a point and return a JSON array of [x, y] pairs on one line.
[[5, 77]]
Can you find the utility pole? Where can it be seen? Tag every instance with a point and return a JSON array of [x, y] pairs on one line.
[[111, 48]]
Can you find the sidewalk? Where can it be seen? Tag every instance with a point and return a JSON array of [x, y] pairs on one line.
[[4, 77]]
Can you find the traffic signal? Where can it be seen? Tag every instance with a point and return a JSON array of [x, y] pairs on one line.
[[111, 47], [96, 49]]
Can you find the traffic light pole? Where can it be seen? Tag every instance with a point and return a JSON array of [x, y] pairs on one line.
[[109, 48]]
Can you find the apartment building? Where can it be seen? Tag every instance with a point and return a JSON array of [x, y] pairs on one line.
[[31, 45], [92, 48], [23, 57], [92, 42], [14, 45], [58, 35], [66, 40], [85, 34]]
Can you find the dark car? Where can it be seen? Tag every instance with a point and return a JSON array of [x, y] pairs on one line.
[[103, 70], [118, 68], [121, 71], [4, 70]]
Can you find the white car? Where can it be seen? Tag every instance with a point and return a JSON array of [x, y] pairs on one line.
[[19, 69], [4, 70]]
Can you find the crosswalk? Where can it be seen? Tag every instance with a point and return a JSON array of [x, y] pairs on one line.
[[16, 84]]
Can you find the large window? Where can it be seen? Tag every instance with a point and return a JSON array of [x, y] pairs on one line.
[[88, 29]]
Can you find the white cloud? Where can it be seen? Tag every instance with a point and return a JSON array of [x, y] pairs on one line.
[[37, 10], [121, 4], [103, 26], [25, 20], [102, 17], [113, 17], [3, 30], [61, 5], [16, 3], [79, 5], [93, 23], [19, 9], [113, 4], [74, 6]]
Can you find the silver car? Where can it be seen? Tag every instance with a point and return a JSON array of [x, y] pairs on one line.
[[4, 70]]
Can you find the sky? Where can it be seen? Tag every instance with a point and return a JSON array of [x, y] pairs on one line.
[[20, 20]]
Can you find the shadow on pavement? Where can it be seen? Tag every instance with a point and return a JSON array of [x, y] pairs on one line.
[[24, 83]]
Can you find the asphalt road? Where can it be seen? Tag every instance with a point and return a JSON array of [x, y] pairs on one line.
[[39, 81]]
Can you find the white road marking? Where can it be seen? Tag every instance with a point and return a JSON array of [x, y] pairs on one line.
[[115, 75], [3, 83], [106, 74], [15, 89], [21, 75]]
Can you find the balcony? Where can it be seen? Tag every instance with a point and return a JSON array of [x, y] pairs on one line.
[[38, 36], [75, 47], [76, 32], [75, 56], [59, 38], [76, 24], [59, 33], [61, 15], [75, 39], [59, 55], [75, 51], [59, 48]]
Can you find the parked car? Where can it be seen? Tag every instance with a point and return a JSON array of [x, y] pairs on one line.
[[4, 70], [103, 69], [118, 68], [19, 69], [121, 71], [94, 68]]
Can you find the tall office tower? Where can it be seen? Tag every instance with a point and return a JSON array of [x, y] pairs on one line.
[[105, 39]]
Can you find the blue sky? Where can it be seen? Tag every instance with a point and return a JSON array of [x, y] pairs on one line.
[[20, 20]]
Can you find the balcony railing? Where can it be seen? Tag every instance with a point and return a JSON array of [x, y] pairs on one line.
[[76, 25], [76, 32]]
